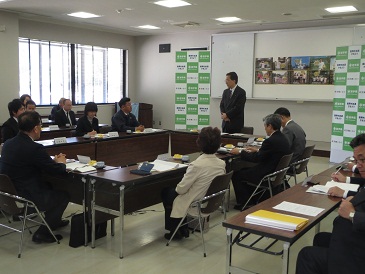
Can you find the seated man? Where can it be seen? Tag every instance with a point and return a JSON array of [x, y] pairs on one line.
[[195, 183], [10, 127], [267, 158], [341, 251], [294, 133], [24, 161], [30, 105], [65, 117], [124, 120], [56, 108]]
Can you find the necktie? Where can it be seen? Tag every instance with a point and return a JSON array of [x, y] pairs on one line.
[[230, 94], [68, 118]]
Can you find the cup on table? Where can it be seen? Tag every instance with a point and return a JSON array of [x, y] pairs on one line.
[[100, 164], [240, 144], [128, 131], [185, 158]]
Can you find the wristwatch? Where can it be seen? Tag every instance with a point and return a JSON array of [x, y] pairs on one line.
[[351, 216]]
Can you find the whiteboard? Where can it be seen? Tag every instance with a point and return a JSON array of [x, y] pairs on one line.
[[232, 52]]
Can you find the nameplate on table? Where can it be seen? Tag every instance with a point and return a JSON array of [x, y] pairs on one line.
[[113, 134], [53, 127], [45, 120], [60, 140]]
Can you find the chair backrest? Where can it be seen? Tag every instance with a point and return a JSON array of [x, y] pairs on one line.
[[301, 164], [216, 192], [247, 130], [7, 193], [105, 129], [278, 175]]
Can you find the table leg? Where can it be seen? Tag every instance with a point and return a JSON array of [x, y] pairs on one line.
[[317, 228], [86, 182], [286, 247], [121, 218], [92, 204], [229, 250]]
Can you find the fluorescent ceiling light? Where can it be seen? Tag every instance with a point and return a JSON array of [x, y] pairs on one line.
[[228, 19], [341, 9], [82, 14], [148, 27], [172, 3]]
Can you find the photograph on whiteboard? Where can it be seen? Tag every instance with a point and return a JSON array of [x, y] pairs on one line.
[[300, 62], [280, 77], [282, 63], [299, 77], [319, 77], [320, 63], [264, 63], [263, 77]]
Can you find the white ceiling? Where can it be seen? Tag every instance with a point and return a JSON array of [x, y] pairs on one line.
[[265, 14]]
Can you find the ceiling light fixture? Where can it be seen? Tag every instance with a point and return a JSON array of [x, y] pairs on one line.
[[84, 15], [228, 19], [148, 27], [172, 3], [341, 9]]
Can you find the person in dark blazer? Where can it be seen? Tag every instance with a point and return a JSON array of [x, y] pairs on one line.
[[56, 108], [88, 124], [124, 119], [65, 116], [24, 161], [267, 158], [294, 133], [10, 127], [341, 251], [232, 105]]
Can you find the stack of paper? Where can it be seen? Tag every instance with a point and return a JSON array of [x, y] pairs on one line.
[[160, 165], [276, 220], [79, 167], [320, 189]]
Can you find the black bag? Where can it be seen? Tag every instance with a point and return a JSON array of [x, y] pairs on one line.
[[77, 235]]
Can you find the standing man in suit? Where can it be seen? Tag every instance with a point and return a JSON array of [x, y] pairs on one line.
[[10, 127], [341, 251], [124, 119], [24, 161], [294, 133], [65, 117], [232, 105], [267, 158]]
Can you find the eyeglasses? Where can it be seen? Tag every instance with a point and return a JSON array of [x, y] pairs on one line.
[[361, 161]]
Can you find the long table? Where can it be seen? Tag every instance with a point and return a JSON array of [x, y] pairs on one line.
[[296, 194]]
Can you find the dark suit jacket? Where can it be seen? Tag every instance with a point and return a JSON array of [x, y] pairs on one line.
[[122, 122], [53, 112], [84, 126], [61, 118], [346, 251], [269, 155], [24, 160], [356, 180], [9, 129], [234, 108], [296, 137]]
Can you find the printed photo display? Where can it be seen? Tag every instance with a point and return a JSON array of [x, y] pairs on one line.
[[299, 70]]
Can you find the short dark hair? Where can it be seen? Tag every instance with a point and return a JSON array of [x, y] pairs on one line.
[[28, 120], [30, 102], [209, 140], [90, 106], [282, 111], [274, 120], [22, 98], [233, 76], [123, 101], [14, 106], [358, 141]]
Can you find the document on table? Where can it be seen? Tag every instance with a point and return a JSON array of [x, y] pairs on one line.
[[160, 165], [298, 208], [79, 167], [320, 189]]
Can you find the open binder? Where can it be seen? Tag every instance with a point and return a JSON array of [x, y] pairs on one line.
[[276, 220]]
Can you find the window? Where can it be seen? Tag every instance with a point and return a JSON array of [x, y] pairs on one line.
[[51, 70]]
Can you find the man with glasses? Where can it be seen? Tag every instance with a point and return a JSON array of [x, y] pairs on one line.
[[341, 251], [124, 119], [24, 161]]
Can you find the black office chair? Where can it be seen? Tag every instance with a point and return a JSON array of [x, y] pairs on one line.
[[272, 180], [201, 209], [11, 203], [247, 130], [105, 129], [301, 165]]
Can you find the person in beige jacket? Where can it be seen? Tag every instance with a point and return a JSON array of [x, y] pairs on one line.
[[195, 182]]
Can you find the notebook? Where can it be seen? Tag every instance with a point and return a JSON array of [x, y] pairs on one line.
[[143, 169]]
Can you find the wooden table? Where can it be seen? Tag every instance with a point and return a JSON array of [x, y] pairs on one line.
[[296, 194]]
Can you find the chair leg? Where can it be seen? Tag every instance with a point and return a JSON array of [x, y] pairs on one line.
[[112, 227], [201, 233], [295, 178], [6, 217], [176, 229], [249, 199]]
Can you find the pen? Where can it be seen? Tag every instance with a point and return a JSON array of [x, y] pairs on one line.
[[338, 170]]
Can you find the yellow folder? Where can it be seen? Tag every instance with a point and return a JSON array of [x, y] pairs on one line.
[[276, 220]]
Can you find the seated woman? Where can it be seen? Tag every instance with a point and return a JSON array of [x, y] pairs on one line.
[[195, 182], [88, 124]]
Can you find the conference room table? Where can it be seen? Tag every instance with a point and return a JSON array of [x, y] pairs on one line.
[[295, 194]]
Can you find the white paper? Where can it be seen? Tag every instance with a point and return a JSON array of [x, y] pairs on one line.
[[298, 208], [320, 189], [160, 165], [79, 167]]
